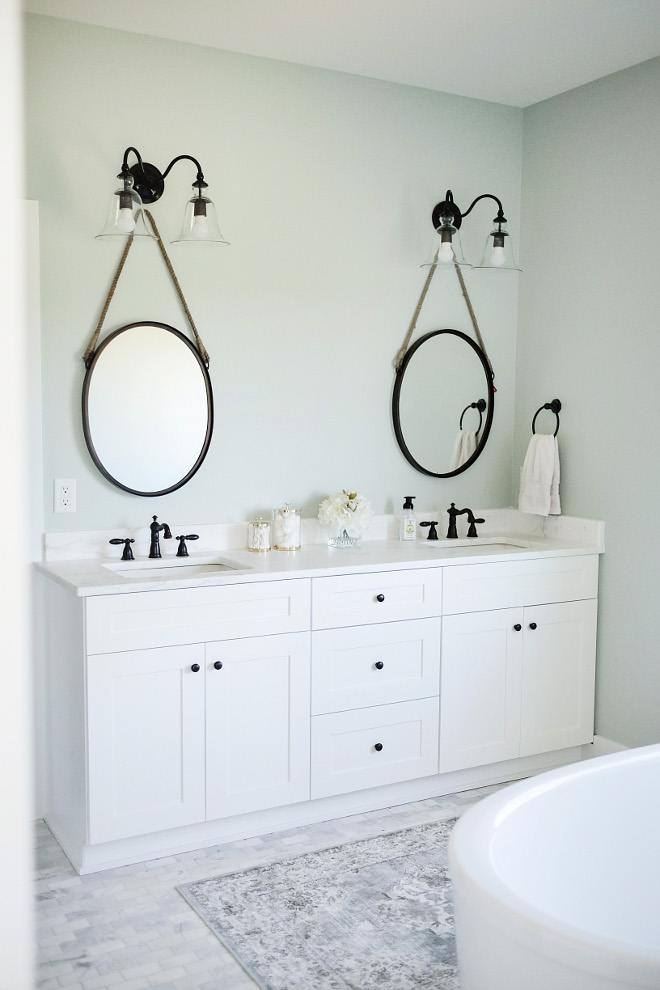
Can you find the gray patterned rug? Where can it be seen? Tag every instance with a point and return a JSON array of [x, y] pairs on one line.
[[368, 915]]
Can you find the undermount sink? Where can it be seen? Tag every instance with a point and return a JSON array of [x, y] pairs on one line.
[[165, 567], [489, 544]]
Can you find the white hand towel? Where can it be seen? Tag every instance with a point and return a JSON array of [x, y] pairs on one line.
[[539, 477], [464, 447]]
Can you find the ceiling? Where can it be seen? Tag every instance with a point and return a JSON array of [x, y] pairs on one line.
[[516, 52]]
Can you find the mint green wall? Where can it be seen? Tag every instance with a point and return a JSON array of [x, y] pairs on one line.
[[324, 184], [589, 335]]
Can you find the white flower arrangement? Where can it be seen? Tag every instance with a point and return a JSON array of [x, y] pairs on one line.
[[346, 511]]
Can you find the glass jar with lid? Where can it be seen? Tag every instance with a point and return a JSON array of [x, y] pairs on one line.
[[286, 528], [259, 535]]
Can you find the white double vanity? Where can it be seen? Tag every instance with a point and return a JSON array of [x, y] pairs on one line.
[[228, 694]]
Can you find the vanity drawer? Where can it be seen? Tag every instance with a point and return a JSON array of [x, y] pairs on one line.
[[512, 583], [344, 753], [364, 666], [195, 615], [356, 599]]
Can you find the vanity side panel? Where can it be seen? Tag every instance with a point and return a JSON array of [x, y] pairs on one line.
[[66, 729]]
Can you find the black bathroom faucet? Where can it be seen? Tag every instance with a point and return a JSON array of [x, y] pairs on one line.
[[453, 512], [156, 528]]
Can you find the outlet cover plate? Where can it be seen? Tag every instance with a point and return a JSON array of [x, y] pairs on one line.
[[64, 495]]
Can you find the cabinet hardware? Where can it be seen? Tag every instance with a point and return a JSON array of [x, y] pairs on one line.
[[378, 747], [532, 625], [380, 598], [218, 664], [379, 665], [517, 627], [195, 668]]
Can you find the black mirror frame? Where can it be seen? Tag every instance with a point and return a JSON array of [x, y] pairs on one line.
[[209, 407], [396, 418]]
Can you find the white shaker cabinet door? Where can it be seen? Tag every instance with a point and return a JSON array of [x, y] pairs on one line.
[[257, 723], [558, 676], [145, 741], [480, 688]]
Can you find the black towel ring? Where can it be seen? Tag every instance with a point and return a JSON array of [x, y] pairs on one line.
[[480, 405], [554, 407]]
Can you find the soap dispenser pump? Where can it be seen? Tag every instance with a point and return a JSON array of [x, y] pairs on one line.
[[408, 524]]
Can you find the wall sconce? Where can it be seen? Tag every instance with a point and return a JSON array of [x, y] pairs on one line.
[[142, 184], [447, 219]]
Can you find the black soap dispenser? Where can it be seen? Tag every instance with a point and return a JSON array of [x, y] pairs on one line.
[[408, 522]]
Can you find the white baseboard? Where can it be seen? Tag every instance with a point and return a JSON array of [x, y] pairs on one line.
[[601, 746]]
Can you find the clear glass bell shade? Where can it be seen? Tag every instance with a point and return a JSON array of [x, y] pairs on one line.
[[126, 213], [498, 253], [446, 250], [200, 221]]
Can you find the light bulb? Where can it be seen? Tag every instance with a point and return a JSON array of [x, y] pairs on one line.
[[445, 252], [199, 230], [125, 221], [497, 258]]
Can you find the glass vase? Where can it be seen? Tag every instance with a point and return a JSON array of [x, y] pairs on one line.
[[343, 540]]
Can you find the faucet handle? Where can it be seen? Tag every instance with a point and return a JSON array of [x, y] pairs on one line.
[[126, 540], [472, 530], [183, 549], [433, 533]]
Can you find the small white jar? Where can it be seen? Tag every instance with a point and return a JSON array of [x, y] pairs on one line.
[[259, 535], [286, 528]]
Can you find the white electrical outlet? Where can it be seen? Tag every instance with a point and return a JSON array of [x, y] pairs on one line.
[[64, 495]]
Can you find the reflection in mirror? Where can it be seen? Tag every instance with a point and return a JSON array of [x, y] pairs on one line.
[[442, 405], [147, 409]]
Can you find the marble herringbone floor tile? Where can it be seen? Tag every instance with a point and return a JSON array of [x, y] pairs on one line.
[[129, 928]]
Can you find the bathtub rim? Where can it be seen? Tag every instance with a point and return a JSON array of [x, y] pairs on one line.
[[470, 865]]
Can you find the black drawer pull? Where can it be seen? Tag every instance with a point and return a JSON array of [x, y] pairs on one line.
[[378, 747], [379, 665], [517, 627], [218, 664], [532, 625], [380, 598], [195, 668]]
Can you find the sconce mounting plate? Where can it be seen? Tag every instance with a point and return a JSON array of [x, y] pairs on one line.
[[446, 208], [148, 181]]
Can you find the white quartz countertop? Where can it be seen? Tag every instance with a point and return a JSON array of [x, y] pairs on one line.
[[110, 576]]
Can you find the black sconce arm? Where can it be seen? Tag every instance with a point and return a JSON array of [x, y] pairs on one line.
[[150, 181], [500, 218], [200, 175], [449, 208]]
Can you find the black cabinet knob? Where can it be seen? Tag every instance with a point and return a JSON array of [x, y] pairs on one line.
[[378, 747], [532, 625], [379, 665], [195, 668], [218, 664], [517, 627], [380, 598]]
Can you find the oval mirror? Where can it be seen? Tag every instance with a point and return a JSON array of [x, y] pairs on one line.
[[442, 404], [147, 409]]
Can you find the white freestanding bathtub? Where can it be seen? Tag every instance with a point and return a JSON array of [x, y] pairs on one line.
[[557, 879]]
